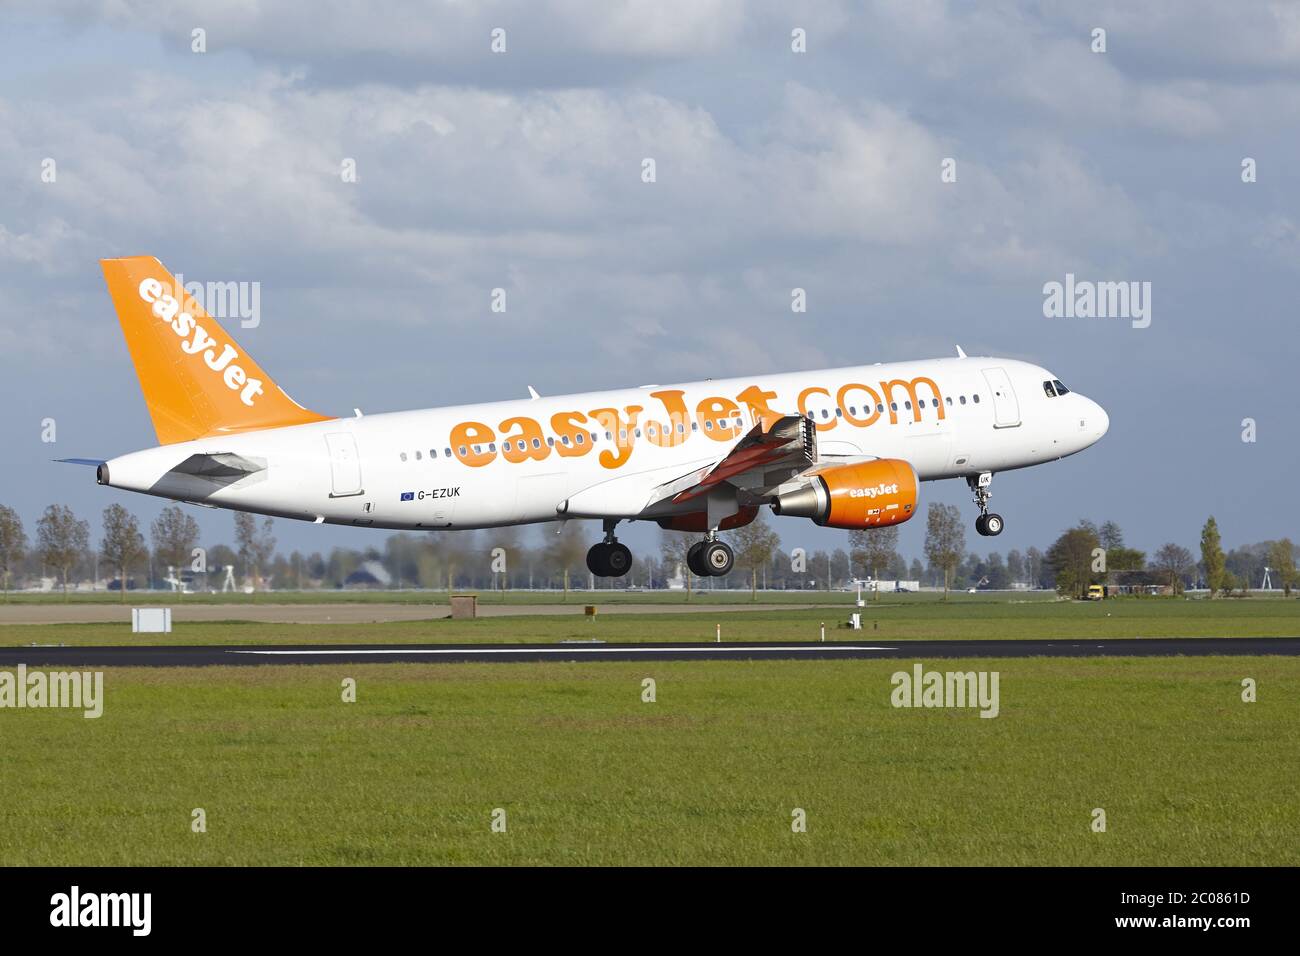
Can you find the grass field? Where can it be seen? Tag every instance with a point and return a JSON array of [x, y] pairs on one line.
[[575, 597], [897, 619], [709, 774]]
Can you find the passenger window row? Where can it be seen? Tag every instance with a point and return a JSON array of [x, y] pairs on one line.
[[578, 439], [893, 406]]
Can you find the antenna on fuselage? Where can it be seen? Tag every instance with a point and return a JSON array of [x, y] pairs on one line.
[[532, 393], [960, 353]]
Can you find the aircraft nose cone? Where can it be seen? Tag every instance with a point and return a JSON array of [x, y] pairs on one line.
[[1101, 418]]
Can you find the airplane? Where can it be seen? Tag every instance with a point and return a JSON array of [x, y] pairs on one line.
[[845, 447]]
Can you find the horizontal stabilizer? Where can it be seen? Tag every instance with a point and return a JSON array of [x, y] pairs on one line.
[[200, 476], [222, 468]]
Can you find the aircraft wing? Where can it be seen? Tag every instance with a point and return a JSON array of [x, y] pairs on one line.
[[761, 460]]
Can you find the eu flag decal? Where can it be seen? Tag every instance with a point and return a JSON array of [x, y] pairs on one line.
[[408, 495]]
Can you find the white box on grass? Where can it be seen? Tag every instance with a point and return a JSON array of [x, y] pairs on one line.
[[151, 620]]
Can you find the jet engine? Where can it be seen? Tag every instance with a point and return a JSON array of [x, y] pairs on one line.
[[873, 494]]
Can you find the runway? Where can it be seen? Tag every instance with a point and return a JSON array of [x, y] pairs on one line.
[[63, 657], [339, 613]]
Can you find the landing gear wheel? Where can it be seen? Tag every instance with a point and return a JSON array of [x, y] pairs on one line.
[[618, 560], [717, 558], [609, 559], [693, 560], [988, 525], [598, 560]]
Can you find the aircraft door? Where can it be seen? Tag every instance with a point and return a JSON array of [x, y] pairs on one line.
[[1006, 407], [345, 465]]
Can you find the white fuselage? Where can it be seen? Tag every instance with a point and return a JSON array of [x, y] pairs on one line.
[[417, 470]]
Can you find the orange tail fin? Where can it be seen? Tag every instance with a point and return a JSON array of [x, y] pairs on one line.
[[197, 381]]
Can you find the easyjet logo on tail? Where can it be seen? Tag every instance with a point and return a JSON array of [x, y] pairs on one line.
[[196, 341]]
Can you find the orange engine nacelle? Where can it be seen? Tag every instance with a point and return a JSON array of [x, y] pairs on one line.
[[699, 520], [874, 494]]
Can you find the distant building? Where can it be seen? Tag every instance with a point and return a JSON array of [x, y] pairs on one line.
[[1136, 582], [885, 586], [371, 574]]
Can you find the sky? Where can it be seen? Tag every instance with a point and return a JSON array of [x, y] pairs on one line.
[[775, 169]]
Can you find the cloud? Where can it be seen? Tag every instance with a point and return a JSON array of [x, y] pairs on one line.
[[774, 171], [462, 190], [565, 42]]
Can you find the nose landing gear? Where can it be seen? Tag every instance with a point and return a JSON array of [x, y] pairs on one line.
[[988, 525], [609, 558]]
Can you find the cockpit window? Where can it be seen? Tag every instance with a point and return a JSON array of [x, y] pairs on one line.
[[1051, 392], [1060, 389]]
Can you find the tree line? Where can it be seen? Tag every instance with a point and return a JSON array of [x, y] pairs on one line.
[[499, 559], [1089, 554]]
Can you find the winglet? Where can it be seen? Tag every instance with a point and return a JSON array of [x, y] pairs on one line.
[[197, 381]]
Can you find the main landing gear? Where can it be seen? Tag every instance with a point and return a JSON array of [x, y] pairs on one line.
[[710, 557], [609, 558], [989, 525], [707, 558]]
